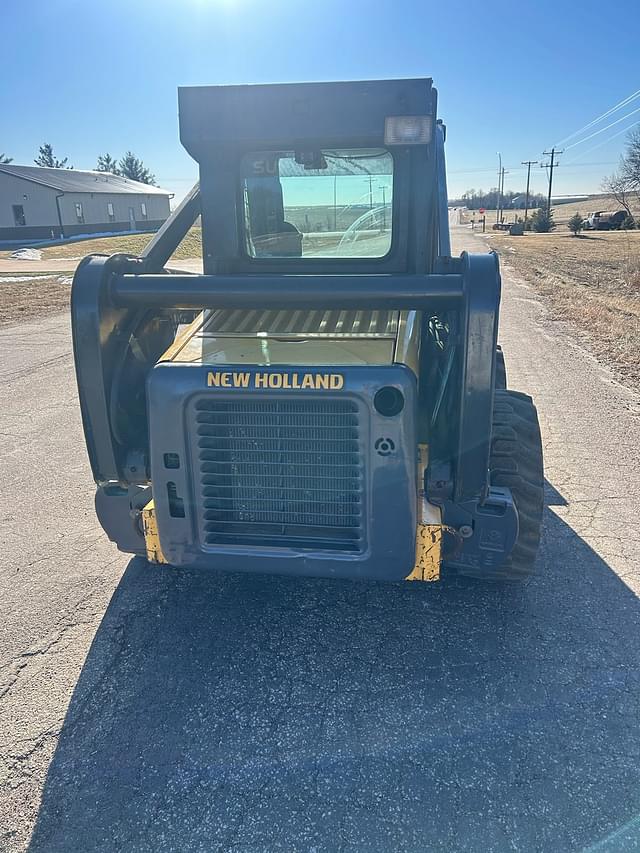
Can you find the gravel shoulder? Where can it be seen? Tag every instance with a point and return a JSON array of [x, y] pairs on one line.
[[43, 288]]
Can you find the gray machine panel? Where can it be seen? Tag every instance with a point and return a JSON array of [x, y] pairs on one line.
[[287, 470]]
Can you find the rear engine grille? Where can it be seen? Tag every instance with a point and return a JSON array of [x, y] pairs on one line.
[[281, 473]]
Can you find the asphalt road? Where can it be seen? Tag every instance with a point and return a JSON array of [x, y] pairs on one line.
[[149, 709]]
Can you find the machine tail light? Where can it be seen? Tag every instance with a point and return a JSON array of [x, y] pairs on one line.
[[408, 130]]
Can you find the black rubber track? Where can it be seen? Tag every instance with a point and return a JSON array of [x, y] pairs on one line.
[[516, 462]]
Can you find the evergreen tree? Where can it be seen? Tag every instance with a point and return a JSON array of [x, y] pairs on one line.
[[576, 224], [46, 158], [4, 160], [542, 220], [106, 163], [132, 167]]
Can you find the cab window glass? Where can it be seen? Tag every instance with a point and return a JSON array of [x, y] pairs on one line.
[[318, 204]]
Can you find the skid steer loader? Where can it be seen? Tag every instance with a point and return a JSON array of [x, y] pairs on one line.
[[328, 398]]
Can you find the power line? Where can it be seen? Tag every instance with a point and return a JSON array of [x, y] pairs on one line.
[[514, 169], [599, 145], [602, 129], [604, 115], [476, 171]]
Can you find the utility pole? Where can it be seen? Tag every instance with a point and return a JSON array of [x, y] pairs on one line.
[[552, 164], [384, 208], [528, 164], [499, 210]]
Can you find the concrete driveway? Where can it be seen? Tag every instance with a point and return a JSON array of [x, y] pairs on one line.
[[150, 709]]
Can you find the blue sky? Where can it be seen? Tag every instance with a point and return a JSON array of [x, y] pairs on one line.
[[514, 77]]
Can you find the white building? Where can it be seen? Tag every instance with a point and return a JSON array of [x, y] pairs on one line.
[[38, 203]]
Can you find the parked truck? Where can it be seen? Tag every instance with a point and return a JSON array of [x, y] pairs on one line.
[[603, 220]]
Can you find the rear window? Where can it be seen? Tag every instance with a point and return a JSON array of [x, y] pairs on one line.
[[318, 204]]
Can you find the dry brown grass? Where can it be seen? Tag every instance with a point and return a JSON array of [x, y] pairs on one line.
[[28, 295], [562, 213], [191, 246], [31, 297], [593, 282]]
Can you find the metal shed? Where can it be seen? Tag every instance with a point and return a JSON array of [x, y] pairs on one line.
[[38, 203]]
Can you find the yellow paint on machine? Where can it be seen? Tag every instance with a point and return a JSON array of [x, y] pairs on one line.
[[183, 337], [151, 538], [428, 553], [429, 530], [305, 339]]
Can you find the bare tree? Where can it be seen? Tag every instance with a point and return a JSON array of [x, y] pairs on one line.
[[630, 166], [620, 186]]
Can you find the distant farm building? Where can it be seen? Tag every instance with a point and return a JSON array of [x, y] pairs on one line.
[[38, 203]]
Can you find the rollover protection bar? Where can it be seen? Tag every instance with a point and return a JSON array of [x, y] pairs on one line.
[[375, 292], [109, 301]]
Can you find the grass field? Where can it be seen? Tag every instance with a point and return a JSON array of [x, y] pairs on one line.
[[27, 297], [23, 294], [191, 246], [592, 281], [562, 213]]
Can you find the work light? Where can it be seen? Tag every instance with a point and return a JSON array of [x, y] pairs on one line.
[[407, 130]]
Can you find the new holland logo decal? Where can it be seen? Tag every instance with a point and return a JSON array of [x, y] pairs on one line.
[[267, 379]]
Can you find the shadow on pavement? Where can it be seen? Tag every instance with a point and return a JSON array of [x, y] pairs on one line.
[[230, 712]]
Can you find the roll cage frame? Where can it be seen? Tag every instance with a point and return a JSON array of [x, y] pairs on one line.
[[121, 303]]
